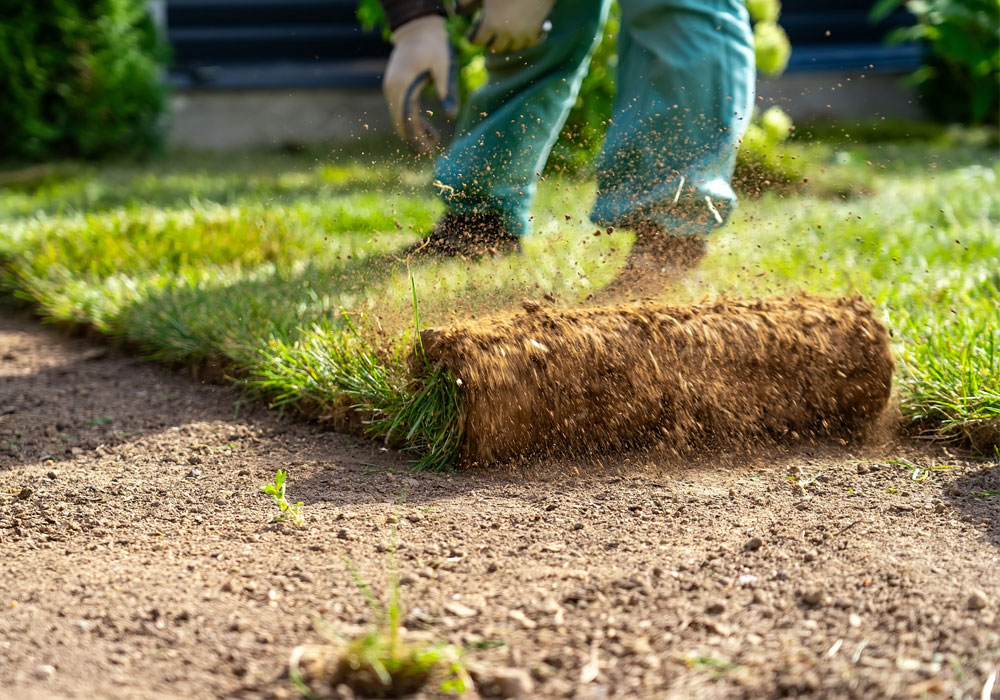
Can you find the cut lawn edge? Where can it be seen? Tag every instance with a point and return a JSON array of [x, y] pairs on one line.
[[344, 382], [239, 272]]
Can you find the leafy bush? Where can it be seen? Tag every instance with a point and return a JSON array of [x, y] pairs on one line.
[[79, 79], [960, 78]]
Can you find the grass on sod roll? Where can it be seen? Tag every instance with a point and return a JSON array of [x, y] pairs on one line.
[[284, 265]]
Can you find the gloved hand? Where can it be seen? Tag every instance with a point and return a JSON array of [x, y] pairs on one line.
[[422, 53], [512, 25]]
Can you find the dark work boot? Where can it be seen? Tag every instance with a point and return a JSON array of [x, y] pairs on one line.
[[466, 236], [656, 260]]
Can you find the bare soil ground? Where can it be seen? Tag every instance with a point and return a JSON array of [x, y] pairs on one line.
[[139, 562]]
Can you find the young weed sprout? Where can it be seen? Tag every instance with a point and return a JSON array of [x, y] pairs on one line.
[[378, 663], [289, 513]]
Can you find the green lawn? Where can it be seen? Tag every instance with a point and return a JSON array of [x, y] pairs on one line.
[[283, 263]]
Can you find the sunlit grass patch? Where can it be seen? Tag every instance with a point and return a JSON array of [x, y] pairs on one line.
[[287, 266]]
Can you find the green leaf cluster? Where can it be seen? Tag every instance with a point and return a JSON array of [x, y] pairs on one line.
[[960, 78], [289, 512], [82, 79]]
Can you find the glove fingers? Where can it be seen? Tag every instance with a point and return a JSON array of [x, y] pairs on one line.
[[500, 44], [480, 35]]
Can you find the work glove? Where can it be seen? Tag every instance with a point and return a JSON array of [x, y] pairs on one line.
[[512, 25], [422, 54]]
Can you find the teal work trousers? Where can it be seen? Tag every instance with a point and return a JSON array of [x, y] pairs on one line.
[[685, 83]]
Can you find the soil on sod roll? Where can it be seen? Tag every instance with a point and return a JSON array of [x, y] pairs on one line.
[[716, 373]]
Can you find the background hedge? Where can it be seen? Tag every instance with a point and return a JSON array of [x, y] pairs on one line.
[[79, 78]]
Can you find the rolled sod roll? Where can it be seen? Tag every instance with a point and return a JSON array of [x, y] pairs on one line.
[[713, 374]]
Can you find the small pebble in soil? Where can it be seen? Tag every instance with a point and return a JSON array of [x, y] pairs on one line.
[[194, 459], [813, 597], [977, 600], [44, 672], [459, 610], [578, 526], [504, 683], [343, 534], [53, 473], [24, 494], [753, 544], [193, 474], [716, 608]]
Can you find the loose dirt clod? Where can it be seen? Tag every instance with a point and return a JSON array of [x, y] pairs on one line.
[[715, 373]]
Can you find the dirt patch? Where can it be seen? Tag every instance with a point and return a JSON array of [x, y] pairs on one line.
[[719, 373], [140, 563]]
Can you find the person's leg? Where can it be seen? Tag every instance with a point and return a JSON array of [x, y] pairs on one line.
[[684, 98], [507, 128]]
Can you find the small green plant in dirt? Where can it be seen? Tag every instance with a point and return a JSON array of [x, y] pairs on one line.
[[288, 512], [379, 662], [714, 668], [918, 473]]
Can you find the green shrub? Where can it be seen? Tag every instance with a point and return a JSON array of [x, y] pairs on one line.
[[79, 79], [960, 78]]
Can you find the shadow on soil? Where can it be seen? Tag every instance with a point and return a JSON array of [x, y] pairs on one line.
[[976, 498]]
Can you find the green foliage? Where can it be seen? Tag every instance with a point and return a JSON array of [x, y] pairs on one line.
[[960, 78], [771, 47], [288, 512], [79, 79], [764, 10]]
